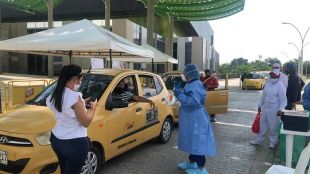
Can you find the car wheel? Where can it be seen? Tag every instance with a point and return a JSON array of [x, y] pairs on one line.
[[166, 131], [93, 162]]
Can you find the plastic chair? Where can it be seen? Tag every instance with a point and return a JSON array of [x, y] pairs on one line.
[[300, 167]]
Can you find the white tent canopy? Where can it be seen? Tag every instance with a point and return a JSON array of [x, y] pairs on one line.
[[80, 39], [159, 57]]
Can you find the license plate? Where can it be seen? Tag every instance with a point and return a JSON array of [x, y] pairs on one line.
[[3, 158]]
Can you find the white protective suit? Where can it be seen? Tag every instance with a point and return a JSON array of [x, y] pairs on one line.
[[272, 100], [283, 77]]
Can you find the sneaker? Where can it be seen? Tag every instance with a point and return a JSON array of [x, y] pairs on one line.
[[213, 120], [187, 165], [256, 142], [197, 171], [272, 145]]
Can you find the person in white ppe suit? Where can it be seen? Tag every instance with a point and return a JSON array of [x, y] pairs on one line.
[[272, 102], [283, 77]]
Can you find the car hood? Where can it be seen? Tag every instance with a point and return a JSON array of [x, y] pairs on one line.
[[27, 119]]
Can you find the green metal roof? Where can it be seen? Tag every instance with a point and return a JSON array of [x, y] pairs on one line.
[[197, 10], [29, 5]]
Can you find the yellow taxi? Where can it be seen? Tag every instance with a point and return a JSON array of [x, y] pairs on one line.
[[253, 81], [217, 100], [116, 128]]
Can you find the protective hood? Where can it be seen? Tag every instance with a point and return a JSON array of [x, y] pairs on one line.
[[291, 68]]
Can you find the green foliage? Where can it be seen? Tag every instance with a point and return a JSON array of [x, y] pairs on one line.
[[240, 65]]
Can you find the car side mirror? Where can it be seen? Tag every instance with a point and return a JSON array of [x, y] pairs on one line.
[[113, 103]]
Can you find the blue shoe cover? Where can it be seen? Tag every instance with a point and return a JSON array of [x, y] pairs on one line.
[[187, 165], [197, 171]]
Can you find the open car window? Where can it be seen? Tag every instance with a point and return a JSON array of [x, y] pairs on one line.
[[92, 85], [169, 81]]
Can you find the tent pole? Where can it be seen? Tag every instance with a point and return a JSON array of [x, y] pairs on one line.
[[110, 53], [153, 65], [50, 16], [70, 56]]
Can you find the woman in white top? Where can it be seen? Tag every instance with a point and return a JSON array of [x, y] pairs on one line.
[[69, 136]]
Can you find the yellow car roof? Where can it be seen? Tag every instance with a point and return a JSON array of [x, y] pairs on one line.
[[115, 72]]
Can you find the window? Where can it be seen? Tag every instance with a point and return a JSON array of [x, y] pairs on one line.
[[188, 53], [158, 85], [125, 90], [92, 85], [137, 35], [170, 79], [131, 84], [149, 88]]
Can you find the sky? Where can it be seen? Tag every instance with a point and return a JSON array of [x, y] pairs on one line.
[[257, 31]]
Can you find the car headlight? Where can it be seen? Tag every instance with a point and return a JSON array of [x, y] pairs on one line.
[[44, 138]]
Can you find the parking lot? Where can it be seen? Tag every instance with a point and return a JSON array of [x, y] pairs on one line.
[[233, 135]]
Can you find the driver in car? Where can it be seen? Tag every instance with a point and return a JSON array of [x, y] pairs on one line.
[[121, 92]]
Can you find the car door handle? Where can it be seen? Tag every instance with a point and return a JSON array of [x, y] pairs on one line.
[[223, 94], [139, 109]]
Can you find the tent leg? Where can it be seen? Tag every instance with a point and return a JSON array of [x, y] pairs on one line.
[[70, 56], [153, 65], [110, 53]]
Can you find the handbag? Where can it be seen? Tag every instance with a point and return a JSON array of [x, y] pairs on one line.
[[255, 125]]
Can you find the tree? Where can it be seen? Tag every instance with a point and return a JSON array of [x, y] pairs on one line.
[[239, 61], [241, 65], [271, 61]]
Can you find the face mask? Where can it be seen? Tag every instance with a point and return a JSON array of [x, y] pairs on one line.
[[273, 81], [183, 77], [76, 87]]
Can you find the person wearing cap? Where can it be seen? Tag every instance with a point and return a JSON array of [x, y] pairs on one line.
[[295, 85], [272, 102], [195, 130], [283, 78]]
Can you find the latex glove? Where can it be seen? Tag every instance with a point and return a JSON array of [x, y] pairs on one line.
[[176, 92], [176, 85], [176, 89]]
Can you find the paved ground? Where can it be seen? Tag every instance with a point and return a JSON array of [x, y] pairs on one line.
[[233, 134]]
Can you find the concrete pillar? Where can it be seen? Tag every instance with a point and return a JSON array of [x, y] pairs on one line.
[[181, 53], [50, 16], [150, 24], [1, 30], [107, 12], [150, 21], [169, 42]]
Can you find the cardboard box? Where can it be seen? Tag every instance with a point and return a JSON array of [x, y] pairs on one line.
[[295, 121]]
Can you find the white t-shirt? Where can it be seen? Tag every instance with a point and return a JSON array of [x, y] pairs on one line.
[[67, 124]]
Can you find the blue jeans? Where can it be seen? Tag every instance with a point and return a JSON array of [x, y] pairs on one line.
[[71, 153], [199, 159]]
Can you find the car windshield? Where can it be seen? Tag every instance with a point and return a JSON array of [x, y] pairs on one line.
[[92, 85], [169, 81], [253, 76]]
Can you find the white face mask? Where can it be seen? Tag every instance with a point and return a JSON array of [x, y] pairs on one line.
[[183, 77], [76, 87]]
